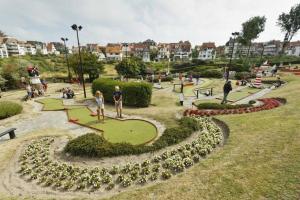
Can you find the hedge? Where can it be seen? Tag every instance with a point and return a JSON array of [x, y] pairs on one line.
[[94, 145], [217, 106], [134, 93], [8, 109]]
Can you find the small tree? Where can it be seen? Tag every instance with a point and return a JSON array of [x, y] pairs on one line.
[[10, 74], [289, 24], [131, 67], [251, 30], [90, 64]]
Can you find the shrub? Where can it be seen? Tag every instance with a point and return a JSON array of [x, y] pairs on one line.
[[217, 106], [211, 74], [134, 94], [8, 109]]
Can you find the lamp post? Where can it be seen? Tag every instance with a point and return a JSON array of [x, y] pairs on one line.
[[78, 28], [67, 59], [234, 34]]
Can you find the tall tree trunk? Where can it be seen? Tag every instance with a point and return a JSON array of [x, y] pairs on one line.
[[248, 51]]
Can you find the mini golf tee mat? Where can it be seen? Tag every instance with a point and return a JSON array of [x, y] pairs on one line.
[[133, 131]]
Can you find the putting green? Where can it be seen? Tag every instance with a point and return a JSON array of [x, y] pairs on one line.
[[238, 95], [51, 104], [116, 131]]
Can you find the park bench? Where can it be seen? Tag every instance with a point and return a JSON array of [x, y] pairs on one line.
[[11, 133]]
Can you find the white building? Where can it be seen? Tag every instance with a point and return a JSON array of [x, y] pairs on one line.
[[293, 49], [179, 54], [51, 49], [163, 51], [207, 51], [114, 52], [3, 51]]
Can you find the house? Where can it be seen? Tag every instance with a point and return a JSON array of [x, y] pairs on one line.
[[51, 49], [293, 48], [272, 48], [220, 51], [113, 52], [141, 50], [41, 48], [181, 50], [30, 49], [3, 49], [14, 47], [207, 51], [163, 51]]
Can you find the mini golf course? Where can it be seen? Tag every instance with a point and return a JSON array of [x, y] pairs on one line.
[[131, 131]]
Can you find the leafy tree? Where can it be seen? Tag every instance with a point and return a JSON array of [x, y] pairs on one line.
[[251, 30], [195, 53], [289, 24], [153, 54], [131, 67], [2, 34], [90, 64]]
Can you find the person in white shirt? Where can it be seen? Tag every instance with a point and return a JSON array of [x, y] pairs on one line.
[[100, 104]]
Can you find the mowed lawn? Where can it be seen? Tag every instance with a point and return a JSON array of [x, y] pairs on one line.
[[261, 159]]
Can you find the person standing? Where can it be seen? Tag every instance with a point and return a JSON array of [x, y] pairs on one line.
[[117, 96], [29, 91], [100, 104], [181, 98], [226, 89]]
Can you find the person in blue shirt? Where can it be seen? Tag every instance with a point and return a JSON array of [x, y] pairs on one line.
[[117, 95]]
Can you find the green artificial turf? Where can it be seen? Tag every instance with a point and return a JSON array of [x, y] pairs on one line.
[[238, 95], [116, 131], [51, 104]]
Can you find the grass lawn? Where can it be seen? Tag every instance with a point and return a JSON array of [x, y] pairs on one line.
[[116, 131], [51, 104], [261, 159]]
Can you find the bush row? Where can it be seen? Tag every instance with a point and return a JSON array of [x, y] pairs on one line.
[[93, 145], [134, 93], [8, 109]]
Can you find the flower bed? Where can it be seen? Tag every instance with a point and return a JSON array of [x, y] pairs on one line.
[[37, 166], [268, 104]]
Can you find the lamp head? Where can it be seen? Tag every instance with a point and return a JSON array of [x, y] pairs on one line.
[[79, 27], [74, 27]]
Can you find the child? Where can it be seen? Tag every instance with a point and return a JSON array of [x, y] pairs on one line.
[[117, 96], [29, 92], [181, 98], [100, 104]]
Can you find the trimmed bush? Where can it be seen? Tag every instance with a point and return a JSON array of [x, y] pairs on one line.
[[93, 145], [216, 106], [134, 94], [8, 109], [211, 74]]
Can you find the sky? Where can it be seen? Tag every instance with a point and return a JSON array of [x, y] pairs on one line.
[[105, 21]]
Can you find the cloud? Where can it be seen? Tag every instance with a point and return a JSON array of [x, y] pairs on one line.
[[136, 20]]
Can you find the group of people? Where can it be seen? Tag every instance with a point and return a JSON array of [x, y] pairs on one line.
[[68, 93], [117, 98]]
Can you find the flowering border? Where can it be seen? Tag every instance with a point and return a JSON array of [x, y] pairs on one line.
[[268, 104], [37, 166]]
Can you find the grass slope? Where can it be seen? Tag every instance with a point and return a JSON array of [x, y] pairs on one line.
[[116, 131], [260, 161]]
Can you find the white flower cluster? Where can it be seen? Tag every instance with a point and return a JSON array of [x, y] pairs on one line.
[[36, 165]]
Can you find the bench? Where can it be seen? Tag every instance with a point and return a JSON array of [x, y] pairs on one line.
[[11, 133]]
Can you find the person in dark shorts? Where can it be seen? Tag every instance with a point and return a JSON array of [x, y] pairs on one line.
[[117, 95]]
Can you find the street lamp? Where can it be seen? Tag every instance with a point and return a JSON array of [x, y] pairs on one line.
[[66, 54], [78, 28], [235, 35]]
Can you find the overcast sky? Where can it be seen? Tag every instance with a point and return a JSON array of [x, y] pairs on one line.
[[106, 21]]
